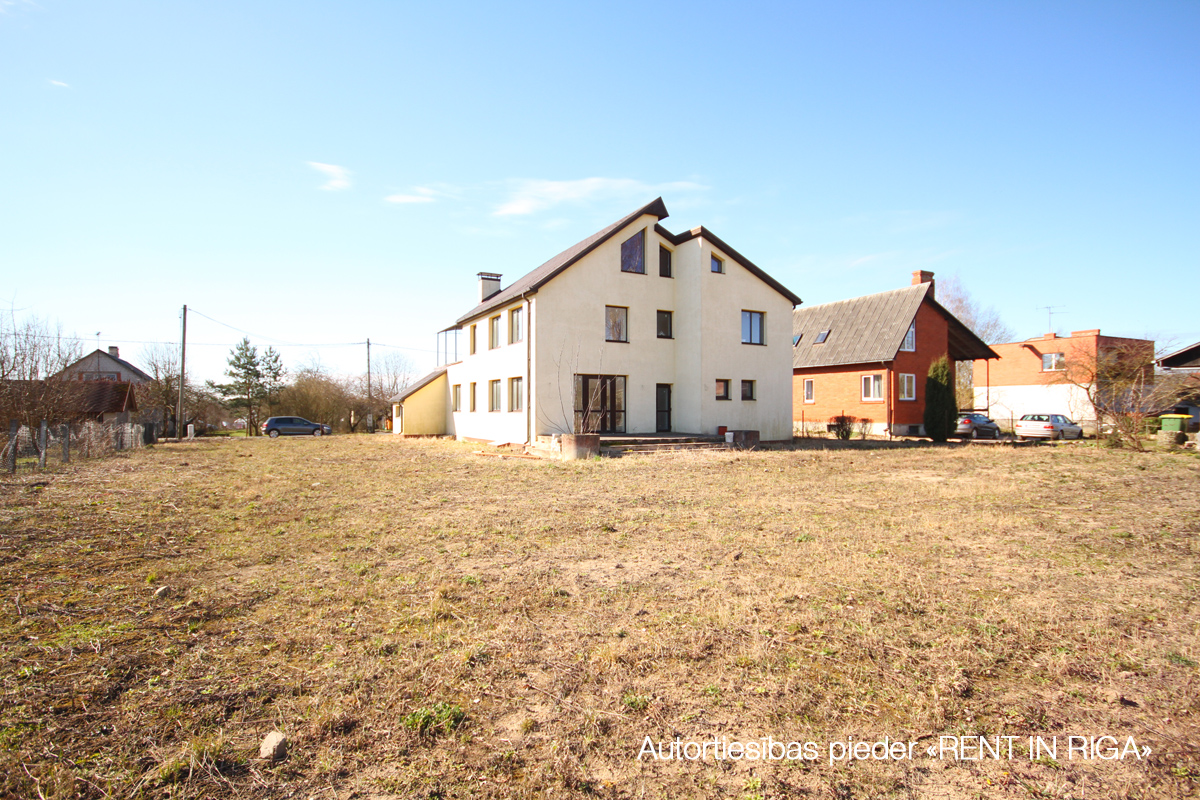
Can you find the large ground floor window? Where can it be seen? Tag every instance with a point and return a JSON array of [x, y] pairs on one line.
[[599, 403]]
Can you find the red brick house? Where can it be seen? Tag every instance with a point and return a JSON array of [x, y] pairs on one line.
[[868, 357], [1051, 374]]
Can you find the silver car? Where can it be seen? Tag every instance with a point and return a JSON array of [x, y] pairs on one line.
[[1047, 426]]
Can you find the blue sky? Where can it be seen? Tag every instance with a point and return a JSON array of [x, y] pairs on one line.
[[317, 174]]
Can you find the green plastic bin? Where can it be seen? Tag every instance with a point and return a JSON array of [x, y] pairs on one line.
[[1174, 422]]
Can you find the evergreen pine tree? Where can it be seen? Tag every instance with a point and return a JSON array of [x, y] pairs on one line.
[[941, 408], [245, 389]]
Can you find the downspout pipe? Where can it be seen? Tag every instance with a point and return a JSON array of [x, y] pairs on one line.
[[528, 369]]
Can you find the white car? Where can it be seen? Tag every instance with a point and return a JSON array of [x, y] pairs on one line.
[[1047, 426]]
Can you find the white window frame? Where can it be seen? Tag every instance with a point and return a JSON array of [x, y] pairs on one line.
[[493, 332], [810, 391], [910, 340], [872, 392], [516, 394], [495, 399], [456, 397], [516, 330], [908, 386], [1059, 359]]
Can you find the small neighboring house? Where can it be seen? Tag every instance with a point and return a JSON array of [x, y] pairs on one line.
[[868, 357], [69, 401], [1033, 376], [633, 330], [101, 366], [1184, 366], [104, 401]]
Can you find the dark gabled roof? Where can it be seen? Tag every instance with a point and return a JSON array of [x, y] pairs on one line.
[[141, 375], [1186, 357], [409, 391], [870, 329], [536, 279], [104, 397]]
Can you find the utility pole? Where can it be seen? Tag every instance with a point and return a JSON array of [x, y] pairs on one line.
[[182, 373], [370, 411]]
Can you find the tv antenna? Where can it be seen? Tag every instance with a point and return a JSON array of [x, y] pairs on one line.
[[1050, 312]]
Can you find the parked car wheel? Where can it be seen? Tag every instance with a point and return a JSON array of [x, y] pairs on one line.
[[274, 434], [317, 432]]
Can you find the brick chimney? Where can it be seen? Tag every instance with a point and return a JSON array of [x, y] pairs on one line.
[[923, 276], [115, 352], [489, 285]]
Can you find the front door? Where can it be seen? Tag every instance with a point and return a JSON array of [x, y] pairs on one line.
[[599, 403], [662, 393]]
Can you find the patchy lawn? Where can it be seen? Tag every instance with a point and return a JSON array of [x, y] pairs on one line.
[[423, 622]]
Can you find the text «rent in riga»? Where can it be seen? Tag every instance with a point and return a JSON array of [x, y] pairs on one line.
[[948, 748]]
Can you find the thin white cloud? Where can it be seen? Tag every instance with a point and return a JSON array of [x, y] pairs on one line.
[[339, 177], [419, 194], [59, 83], [530, 196]]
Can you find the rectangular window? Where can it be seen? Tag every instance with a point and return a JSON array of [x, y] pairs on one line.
[[910, 339], [472, 340], [516, 394], [471, 397], [747, 390], [717, 264], [633, 253], [908, 387], [752, 327], [456, 398], [810, 395], [664, 325], [821, 337], [493, 395], [515, 332], [872, 387], [1053, 362], [722, 388], [664, 262], [493, 333], [616, 324]]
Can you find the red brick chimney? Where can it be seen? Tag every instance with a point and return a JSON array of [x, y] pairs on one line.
[[923, 276]]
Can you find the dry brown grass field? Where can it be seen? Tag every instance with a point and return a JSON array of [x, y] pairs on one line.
[[422, 622]]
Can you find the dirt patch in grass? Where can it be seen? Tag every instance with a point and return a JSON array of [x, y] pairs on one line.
[[422, 622]]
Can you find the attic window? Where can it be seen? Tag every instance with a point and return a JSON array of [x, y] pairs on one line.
[[822, 336], [910, 338], [796, 339], [633, 253]]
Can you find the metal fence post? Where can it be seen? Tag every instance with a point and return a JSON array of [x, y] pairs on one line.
[[42, 445], [64, 431], [14, 428]]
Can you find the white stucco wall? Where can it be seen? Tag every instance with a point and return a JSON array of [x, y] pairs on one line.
[[706, 314], [501, 363], [1007, 403]]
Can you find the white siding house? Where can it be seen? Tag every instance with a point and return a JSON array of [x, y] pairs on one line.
[[633, 330]]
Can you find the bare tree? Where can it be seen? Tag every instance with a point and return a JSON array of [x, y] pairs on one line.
[[1119, 383], [317, 396], [984, 322], [32, 354], [158, 397]]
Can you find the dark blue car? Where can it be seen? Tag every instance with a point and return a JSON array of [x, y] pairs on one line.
[[294, 426]]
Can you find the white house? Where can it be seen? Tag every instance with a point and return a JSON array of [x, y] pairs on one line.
[[633, 330], [101, 366]]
